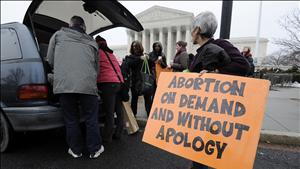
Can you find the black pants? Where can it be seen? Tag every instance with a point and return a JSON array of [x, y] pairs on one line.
[[134, 101], [120, 117], [108, 93], [199, 166], [89, 105]]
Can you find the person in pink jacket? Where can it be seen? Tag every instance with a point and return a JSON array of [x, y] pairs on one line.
[[109, 84]]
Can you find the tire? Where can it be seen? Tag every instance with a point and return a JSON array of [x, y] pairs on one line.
[[5, 133]]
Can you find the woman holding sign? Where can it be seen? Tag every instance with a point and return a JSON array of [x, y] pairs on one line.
[[214, 55]]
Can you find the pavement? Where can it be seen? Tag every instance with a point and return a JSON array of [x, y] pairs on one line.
[[281, 124], [283, 110], [48, 150], [282, 117]]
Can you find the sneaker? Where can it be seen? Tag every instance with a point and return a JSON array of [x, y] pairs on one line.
[[97, 153], [73, 154]]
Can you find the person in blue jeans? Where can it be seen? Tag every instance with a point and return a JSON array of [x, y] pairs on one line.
[[214, 55], [73, 55]]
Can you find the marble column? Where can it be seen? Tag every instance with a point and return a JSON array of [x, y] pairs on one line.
[[161, 35], [144, 39], [132, 37], [129, 39], [136, 36], [178, 34], [169, 45], [151, 39], [188, 37]]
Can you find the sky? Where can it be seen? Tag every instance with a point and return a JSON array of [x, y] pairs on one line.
[[244, 16]]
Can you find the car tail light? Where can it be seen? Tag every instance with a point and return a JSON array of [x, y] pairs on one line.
[[33, 91]]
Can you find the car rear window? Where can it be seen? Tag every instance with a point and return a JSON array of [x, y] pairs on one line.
[[10, 47]]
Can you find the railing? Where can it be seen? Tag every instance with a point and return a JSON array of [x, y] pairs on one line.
[[279, 79]]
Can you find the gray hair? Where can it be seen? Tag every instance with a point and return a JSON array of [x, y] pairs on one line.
[[207, 22]]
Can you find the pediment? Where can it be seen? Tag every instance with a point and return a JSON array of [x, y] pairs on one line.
[[161, 13]]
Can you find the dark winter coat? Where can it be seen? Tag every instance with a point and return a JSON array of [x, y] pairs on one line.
[[221, 55], [239, 65], [153, 56], [210, 57], [131, 68], [180, 61]]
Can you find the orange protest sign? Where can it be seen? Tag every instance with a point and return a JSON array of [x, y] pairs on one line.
[[213, 119]]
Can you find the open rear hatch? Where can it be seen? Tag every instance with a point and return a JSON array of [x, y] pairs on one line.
[[46, 17]]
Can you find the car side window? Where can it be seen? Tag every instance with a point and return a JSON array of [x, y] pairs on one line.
[[10, 47]]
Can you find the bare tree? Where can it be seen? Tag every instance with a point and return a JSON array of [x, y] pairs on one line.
[[291, 45], [276, 59]]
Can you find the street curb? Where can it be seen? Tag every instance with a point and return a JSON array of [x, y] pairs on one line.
[[278, 137], [268, 136]]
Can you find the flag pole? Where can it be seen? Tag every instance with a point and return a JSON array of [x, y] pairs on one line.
[[258, 35]]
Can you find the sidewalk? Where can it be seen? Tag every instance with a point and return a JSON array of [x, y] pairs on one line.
[[283, 110], [281, 121], [282, 117]]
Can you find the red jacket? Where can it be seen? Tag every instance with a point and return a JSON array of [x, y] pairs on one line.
[[107, 73]]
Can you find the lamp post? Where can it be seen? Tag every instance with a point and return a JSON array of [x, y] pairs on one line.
[[226, 19]]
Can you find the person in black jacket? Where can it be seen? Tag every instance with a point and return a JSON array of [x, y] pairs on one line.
[[214, 55], [134, 63], [157, 56]]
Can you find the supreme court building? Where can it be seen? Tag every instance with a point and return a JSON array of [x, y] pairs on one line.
[[168, 26]]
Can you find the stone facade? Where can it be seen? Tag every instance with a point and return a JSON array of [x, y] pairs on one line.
[[242, 42], [169, 26], [120, 51], [165, 25]]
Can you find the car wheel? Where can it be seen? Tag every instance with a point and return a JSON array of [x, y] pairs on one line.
[[5, 133]]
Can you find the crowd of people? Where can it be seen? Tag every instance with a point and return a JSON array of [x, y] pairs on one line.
[[86, 68]]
